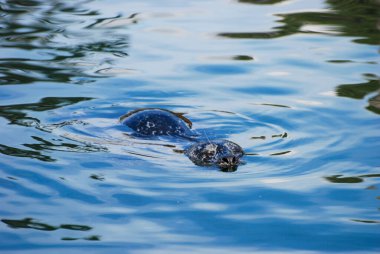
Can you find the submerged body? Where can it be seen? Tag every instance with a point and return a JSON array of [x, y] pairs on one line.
[[159, 122]]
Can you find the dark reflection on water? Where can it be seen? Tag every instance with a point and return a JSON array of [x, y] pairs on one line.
[[360, 91], [349, 179], [97, 177], [18, 152], [366, 221], [358, 19], [89, 238], [18, 113], [45, 47], [347, 18], [45, 145], [31, 223]]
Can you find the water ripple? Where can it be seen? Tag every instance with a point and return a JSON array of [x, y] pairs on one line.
[[296, 86]]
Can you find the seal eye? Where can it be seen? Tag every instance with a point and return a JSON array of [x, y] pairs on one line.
[[234, 160], [225, 160]]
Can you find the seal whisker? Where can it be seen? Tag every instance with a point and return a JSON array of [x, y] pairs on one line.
[[207, 137]]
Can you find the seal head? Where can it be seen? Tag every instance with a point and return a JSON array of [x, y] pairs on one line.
[[157, 122], [221, 153]]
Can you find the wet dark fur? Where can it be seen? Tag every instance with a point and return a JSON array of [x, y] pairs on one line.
[[159, 122], [224, 153]]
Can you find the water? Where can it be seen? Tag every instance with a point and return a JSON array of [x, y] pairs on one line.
[[295, 83]]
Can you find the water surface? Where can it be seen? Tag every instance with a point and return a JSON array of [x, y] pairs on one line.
[[295, 83]]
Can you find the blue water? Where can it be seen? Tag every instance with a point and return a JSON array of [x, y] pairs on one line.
[[295, 83]]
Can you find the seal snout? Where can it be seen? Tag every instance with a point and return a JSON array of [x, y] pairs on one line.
[[229, 163]]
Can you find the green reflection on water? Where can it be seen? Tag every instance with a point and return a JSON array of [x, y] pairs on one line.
[[360, 91], [349, 18], [49, 46], [349, 179], [33, 224], [18, 115], [30, 223]]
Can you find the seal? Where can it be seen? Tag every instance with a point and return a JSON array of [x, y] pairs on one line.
[[147, 122], [221, 153]]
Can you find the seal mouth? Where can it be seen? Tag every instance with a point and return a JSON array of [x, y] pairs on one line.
[[229, 169], [229, 164]]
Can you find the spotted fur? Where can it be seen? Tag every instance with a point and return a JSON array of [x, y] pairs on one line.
[[159, 122]]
